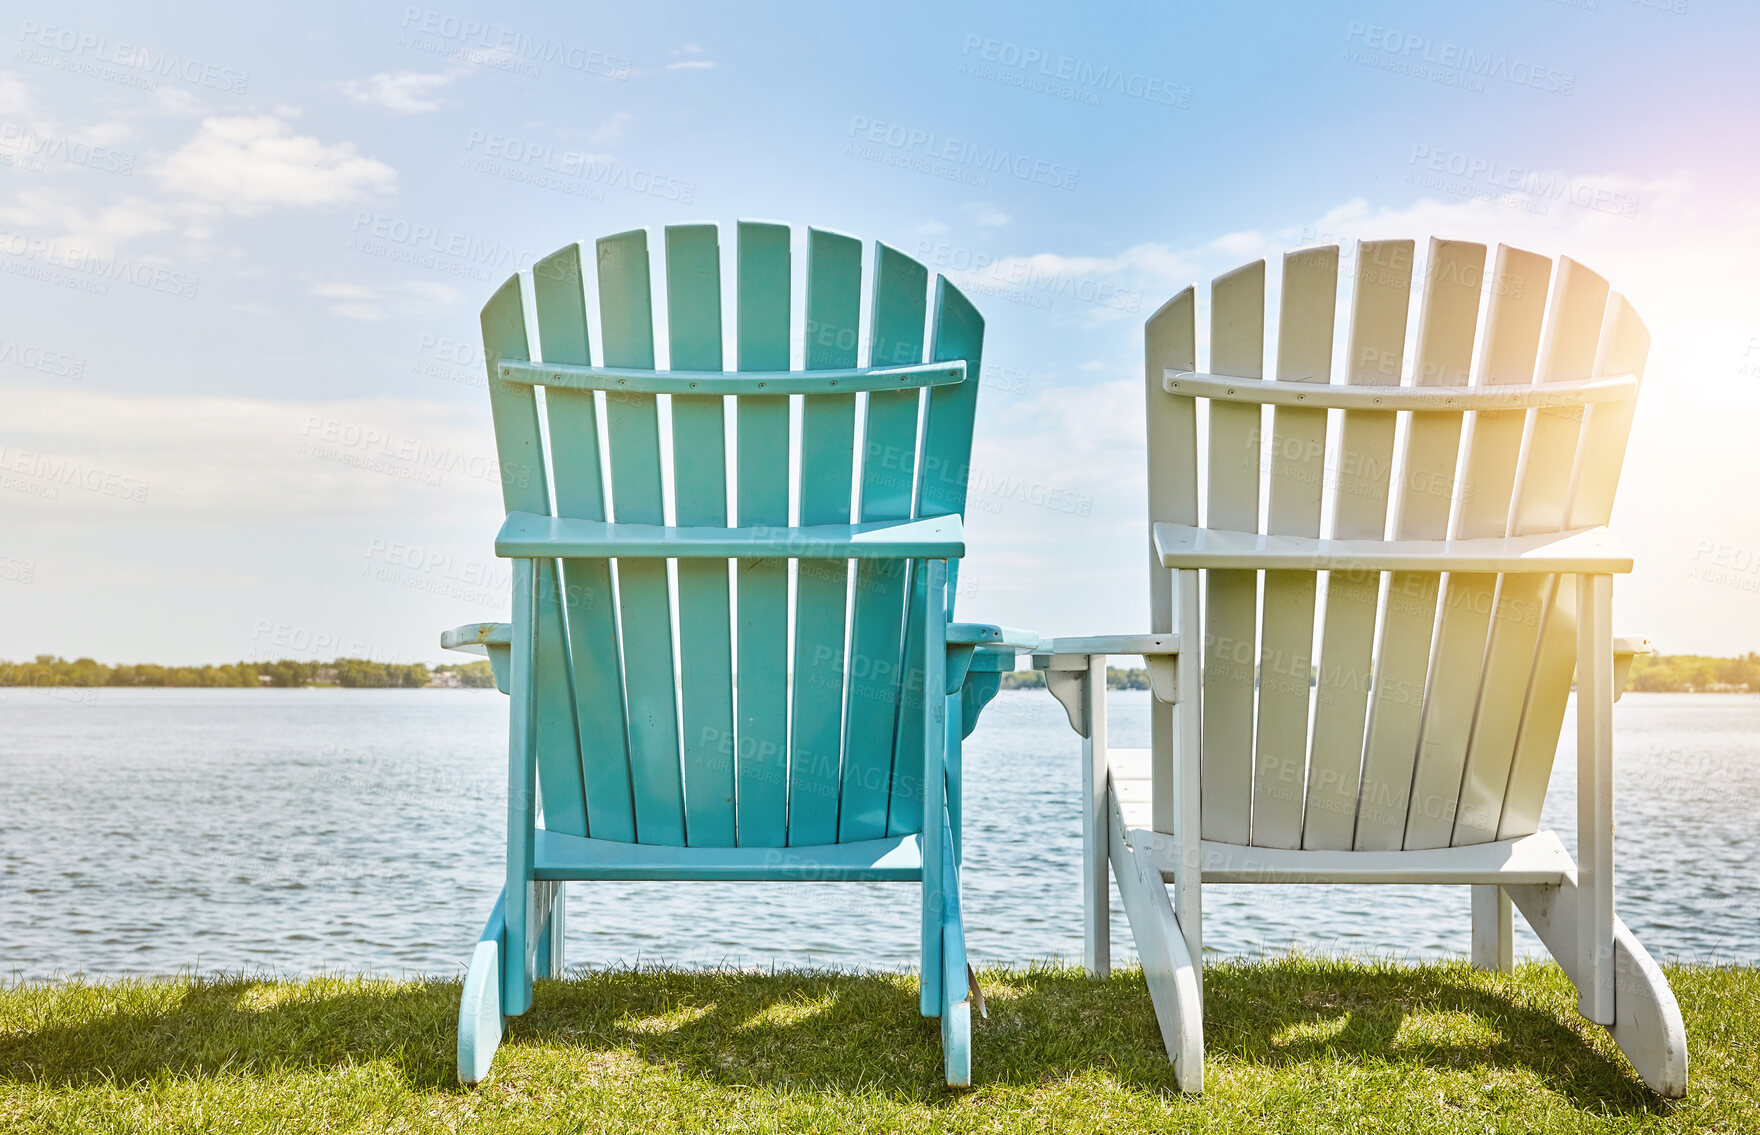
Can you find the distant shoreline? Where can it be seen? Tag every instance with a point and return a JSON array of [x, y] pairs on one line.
[[1656, 673]]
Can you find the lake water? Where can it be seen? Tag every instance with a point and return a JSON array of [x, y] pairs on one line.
[[150, 831]]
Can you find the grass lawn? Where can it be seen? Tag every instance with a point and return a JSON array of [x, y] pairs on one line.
[[1295, 1044]]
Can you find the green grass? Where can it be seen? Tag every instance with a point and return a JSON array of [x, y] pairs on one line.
[[1295, 1044]]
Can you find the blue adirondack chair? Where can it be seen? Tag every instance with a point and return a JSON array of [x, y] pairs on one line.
[[761, 755]]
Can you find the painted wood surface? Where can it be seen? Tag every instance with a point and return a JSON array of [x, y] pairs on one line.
[[1231, 652], [827, 464], [763, 271], [1623, 348], [592, 666], [1364, 464], [1567, 351], [1298, 481], [1446, 332], [699, 478], [1512, 343], [1170, 342], [644, 590], [889, 474]]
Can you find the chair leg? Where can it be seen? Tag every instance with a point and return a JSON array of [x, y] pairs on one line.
[[552, 936], [480, 1020], [1096, 895], [1168, 966], [1647, 1022], [1493, 929], [956, 994]]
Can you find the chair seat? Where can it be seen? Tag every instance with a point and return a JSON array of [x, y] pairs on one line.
[[1538, 858], [895, 858]]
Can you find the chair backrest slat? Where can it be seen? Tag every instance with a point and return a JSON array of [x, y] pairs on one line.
[[599, 804], [1512, 343], [1447, 327], [699, 479], [889, 478], [525, 486], [762, 268], [942, 478], [1298, 465], [644, 591], [1170, 342], [1622, 348], [1237, 347], [828, 426], [1579, 300], [1377, 345]]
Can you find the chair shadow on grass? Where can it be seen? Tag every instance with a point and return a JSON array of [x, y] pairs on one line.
[[842, 1032]]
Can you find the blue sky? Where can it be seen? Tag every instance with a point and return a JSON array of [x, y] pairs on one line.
[[242, 250]]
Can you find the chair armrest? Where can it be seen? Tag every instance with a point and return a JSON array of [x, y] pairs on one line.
[[985, 648], [1144, 644], [527, 535], [1160, 655], [985, 634], [495, 640], [1591, 550], [1625, 648]]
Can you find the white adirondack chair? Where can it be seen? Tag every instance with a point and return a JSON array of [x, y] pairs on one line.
[[1416, 747]]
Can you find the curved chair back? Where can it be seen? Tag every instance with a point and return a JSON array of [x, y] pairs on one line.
[[714, 702], [1429, 714]]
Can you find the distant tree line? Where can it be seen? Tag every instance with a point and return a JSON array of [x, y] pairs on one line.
[[1116, 679], [1695, 673], [1654, 673], [352, 673]]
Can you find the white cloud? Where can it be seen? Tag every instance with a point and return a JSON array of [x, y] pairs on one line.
[[219, 459], [373, 304], [987, 215], [15, 97], [690, 64], [253, 163], [406, 92], [611, 129], [102, 229]]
